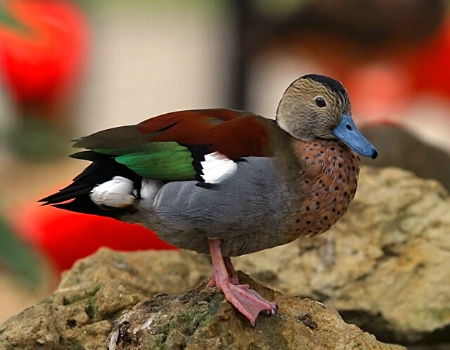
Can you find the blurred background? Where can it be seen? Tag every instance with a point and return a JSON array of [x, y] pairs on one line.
[[70, 68]]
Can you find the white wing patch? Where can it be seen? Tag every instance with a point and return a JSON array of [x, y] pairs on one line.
[[116, 193], [216, 168]]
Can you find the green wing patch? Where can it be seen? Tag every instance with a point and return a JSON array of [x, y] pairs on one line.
[[158, 160]]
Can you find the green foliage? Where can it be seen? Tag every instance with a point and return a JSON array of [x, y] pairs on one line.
[[9, 21], [17, 257]]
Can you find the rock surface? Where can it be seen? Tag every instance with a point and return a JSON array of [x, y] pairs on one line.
[[201, 319], [96, 312], [384, 266], [428, 162]]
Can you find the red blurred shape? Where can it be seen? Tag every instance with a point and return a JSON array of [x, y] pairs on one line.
[[430, 65], [41, 61]]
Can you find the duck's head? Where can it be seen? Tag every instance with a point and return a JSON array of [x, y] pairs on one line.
[[316, 106]]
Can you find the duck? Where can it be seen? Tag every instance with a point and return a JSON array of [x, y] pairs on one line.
[[227, 182]]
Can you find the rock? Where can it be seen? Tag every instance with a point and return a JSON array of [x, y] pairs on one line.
[[79, 315], [95, 314], [201, 319], [70, 318], [384, 266], [148, 273], [427, 162]]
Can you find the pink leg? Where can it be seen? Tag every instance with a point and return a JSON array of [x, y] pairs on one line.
[[231, 271], [244, 299]]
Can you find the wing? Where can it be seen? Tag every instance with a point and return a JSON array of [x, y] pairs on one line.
[[202, 145], [177, 145]]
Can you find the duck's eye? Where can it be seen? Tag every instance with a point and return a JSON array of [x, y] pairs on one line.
[[320, 102]]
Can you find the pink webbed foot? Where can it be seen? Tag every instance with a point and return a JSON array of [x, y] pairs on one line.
[[245, 300]]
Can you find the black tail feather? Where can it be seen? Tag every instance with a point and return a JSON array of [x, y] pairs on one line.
[[88, 155], [76, 196]]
